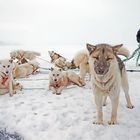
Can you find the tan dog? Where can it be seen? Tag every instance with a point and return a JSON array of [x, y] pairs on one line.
[[7, 83], [24, 70], [23, 56], [59, 80], [81, 60], [108, 75], [59, 61]]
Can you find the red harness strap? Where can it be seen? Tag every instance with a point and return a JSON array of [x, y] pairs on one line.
[[34, 69], [4, 79], [20, 57]]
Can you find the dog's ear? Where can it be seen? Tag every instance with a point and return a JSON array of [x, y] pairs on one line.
[[90, 48], [49, 52], [116, 48], [11, 60], [52, 69]]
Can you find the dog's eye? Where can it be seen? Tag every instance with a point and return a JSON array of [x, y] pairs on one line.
[[96, 57], [57, 74], [4, 66], [107, 59], [8, 66], [53, 74]]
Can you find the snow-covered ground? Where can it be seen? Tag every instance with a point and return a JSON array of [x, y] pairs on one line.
[[37, 114]]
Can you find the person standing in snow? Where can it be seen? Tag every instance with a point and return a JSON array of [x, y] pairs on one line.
[[138, 36], [137, 51]]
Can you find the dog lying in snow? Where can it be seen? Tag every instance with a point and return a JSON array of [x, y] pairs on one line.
[[108, 76], [23, 56], [24, 70], [59, 80], [7, 83], [59, 61]]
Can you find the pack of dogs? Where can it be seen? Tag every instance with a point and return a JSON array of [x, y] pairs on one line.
[[101, 62]]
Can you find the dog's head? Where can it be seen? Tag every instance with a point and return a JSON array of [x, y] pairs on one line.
[[56, 74], [16, 54], [6, 66], [54, 56], [102, 56]]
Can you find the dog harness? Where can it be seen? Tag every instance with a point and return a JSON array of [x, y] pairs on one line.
[[4, 79], [34, 68]]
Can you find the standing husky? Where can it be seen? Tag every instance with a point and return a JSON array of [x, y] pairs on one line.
[[7, 83], [59, 80], [108, 75]]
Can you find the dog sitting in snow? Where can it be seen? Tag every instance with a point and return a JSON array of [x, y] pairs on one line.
[[59, 61], [23, 56], [59, 80], [24, 70], [7, 83]]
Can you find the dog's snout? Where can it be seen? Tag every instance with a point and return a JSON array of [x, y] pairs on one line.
[[55, 80], [101, 71], [7, 72]]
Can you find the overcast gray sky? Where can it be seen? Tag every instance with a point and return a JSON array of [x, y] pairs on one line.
[[69, 22]]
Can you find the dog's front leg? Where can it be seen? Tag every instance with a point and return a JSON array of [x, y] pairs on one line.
[[53, 89], [114, 102], [98, 102], [59, 90], [11, 90]]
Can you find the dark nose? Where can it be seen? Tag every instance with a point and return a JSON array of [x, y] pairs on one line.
[[7, 72], [101, 71], [55, 79]]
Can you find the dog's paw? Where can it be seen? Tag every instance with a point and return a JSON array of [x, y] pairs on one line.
[[53, 92], [104, 104], [130, 106], [11, 94], [112, 122], [58, 93], [98, 122]]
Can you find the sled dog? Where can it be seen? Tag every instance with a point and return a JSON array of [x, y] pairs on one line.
[[23, 56], [7, 83], [24, 70], [59, 61], [108, 74], [59, 80]]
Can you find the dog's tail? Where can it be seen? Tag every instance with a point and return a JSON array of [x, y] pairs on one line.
[[80, 57], [123, 51]]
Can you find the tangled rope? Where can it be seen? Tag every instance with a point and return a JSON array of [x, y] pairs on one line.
[[135, 53]]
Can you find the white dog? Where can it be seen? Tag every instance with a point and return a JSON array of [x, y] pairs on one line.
[[59, 79], [22, 55], [60, 62], [7, 83], [24, 70]]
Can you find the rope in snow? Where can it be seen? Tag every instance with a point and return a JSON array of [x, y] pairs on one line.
[[33, 88], [44, 59], [45, 68]]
